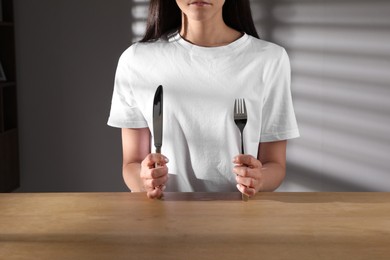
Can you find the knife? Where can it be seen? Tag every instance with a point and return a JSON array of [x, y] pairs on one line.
[[158, 118]]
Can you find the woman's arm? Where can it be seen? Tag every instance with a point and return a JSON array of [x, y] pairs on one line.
[[272, 155], [135, 146], [264, 173], [139, 171]]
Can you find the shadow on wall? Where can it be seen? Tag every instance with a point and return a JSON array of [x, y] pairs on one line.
[[340, 57], [263, 13], [139, 14]]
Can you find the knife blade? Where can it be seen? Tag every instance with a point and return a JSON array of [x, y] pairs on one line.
[[158, 118]]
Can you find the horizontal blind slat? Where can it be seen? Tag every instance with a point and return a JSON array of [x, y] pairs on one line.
[[340, 59]]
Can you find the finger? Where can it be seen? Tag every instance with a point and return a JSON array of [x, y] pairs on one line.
[[248, 182], [153, 183], [154, 158], [250, 192], [154, 194], [247, 172], [162, 187], [248, 160], [154, 173], [159, 172]]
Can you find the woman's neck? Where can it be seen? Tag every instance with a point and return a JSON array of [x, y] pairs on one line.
[[208, 33]]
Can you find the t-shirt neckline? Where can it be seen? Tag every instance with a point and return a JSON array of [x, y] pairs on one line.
[[200, 50]]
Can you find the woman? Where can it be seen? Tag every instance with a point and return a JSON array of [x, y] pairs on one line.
[[206, 53]]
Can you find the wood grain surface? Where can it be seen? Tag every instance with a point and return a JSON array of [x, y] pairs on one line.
[[195, 226]]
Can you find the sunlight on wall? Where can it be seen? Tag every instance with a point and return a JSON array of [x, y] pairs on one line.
[[340, 57], [139, 14]]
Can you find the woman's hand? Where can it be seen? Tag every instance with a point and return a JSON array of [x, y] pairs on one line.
[[249, 175], [154, 178]]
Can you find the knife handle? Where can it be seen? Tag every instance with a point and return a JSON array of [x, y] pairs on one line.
[[161, 187], [158, 150]]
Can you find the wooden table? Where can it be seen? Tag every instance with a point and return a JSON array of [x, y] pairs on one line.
[[195, 226]]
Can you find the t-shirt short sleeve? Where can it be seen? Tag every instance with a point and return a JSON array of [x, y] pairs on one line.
[[278, 117], [125, 112]]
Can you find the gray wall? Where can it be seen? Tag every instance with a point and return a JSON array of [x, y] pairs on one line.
[[67, 52], [66, 57], [340, 55]]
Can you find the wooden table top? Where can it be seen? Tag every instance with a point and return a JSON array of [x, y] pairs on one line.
[[195, 226]]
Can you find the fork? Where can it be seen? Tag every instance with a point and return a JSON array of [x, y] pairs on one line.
[[240, 118]]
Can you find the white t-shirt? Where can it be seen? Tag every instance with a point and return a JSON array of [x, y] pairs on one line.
[[200, 85]]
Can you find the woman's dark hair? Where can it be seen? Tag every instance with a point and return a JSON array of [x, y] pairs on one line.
[[165, 16]]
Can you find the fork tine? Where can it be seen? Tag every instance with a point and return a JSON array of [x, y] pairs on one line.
[[239, 106]]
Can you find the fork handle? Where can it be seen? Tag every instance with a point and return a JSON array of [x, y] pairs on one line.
[[244, 197], [242, 144]]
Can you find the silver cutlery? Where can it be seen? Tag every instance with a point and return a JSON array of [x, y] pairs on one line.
[[158, 123], [241, 118], [158, 118]]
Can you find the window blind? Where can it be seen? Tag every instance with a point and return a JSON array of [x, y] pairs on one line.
[[340, 58]]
